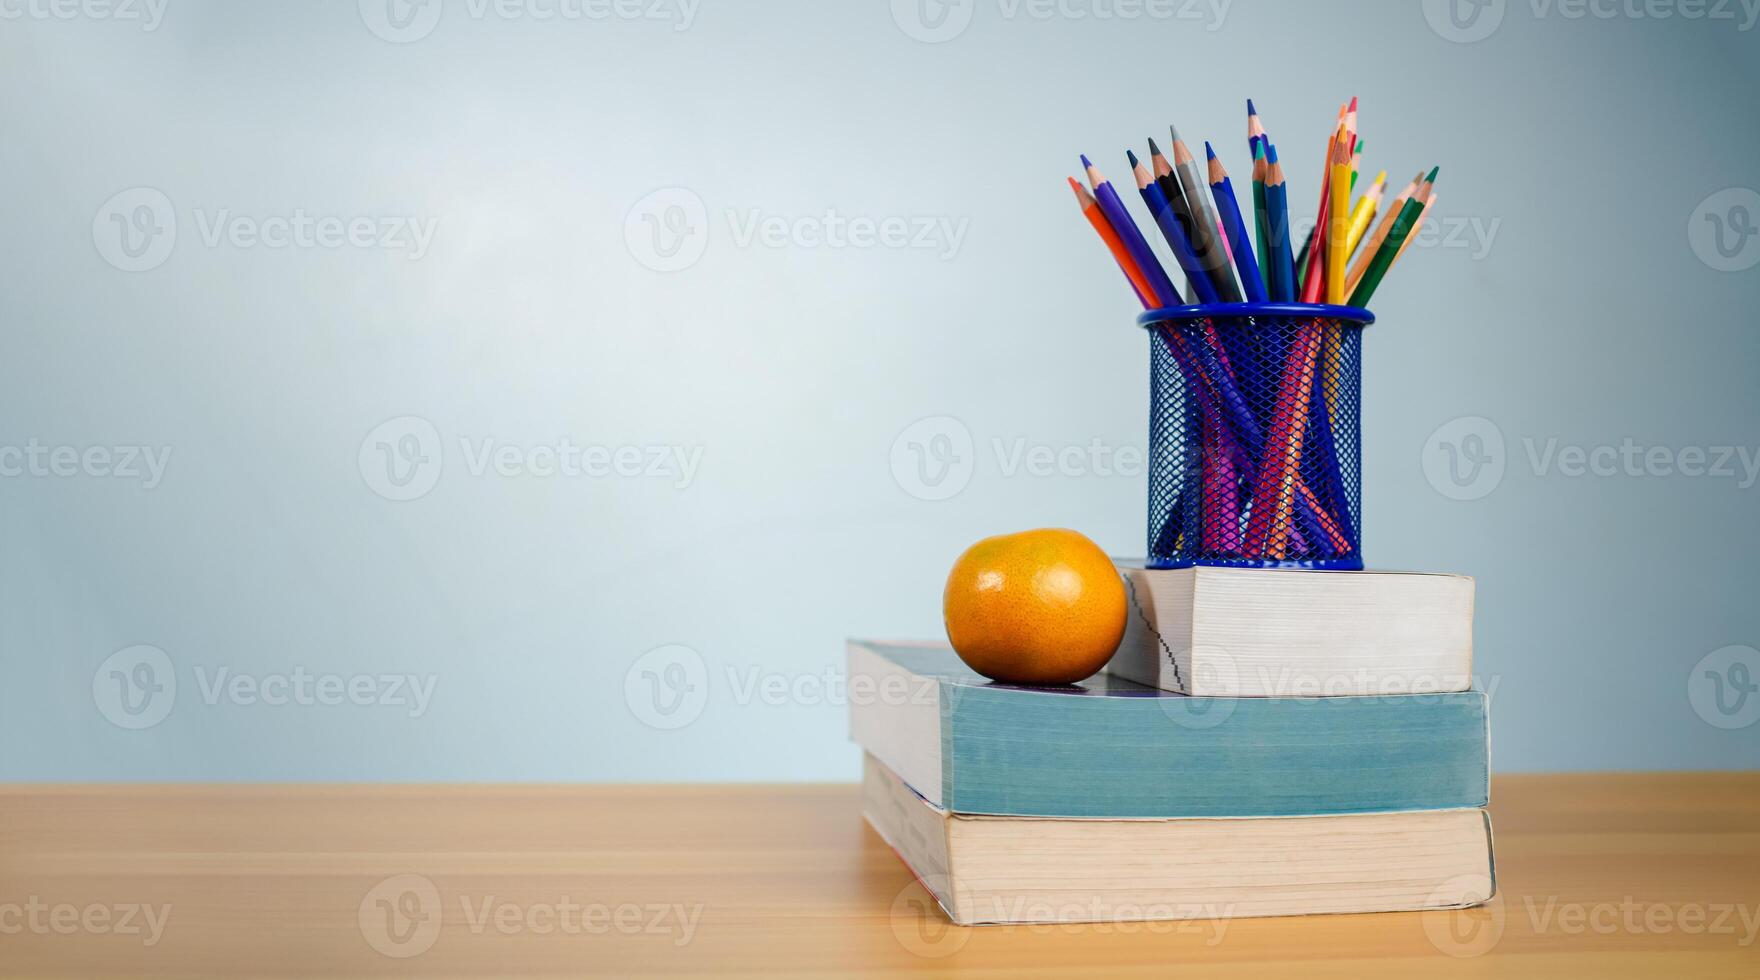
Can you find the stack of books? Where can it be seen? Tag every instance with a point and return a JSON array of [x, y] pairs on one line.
[[1262, 743]]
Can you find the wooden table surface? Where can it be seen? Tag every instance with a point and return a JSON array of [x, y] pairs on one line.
[[1601, 876]]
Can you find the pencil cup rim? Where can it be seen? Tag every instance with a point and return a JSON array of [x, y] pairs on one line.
[[1241, 311]]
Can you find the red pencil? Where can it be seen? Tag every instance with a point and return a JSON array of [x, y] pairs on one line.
[[1314, 286]]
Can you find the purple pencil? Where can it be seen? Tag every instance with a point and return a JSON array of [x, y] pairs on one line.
[[1113, 207]]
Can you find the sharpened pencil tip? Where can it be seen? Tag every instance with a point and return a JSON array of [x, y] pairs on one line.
[[1432, 177], [1085, 163], [1270, 152], [1251, 110], [1154, 150], [1209, 153], [1132, 157]]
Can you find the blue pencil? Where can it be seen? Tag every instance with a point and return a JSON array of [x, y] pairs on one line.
[[1113, 208], [1239, 245], [1283, 261], [1171, 229]]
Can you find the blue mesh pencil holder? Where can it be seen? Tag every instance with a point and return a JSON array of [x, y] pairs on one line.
[[1255, 435]]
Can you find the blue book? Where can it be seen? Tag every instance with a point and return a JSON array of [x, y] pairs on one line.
[[1110, 747]]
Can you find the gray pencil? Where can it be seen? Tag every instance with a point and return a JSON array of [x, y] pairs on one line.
[[1206, 240]]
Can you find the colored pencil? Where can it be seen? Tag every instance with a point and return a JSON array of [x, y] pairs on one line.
[[1206, 234], [1367, 253], [1126, 263], [1168, 181], [1172, 230], [1338, 220], [1228, 209], [1256, 144], [1242, 436], [1396, 238], [1313, 289], [1417, 226], [1275, 493], [1277, 227], [1163, 172], [1363, 213], [1304, 258], [1261, 233], [1160, 287]]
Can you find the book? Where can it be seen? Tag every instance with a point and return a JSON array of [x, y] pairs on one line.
[[1109, 747], [1235, 632], [991, 869]]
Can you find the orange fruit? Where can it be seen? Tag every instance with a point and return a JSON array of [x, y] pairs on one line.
[[1036, 607]]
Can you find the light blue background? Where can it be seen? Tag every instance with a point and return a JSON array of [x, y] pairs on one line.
[[1587, 144]]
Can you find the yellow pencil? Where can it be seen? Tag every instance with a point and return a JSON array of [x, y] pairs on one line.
[[1364, 213], [1373, 244], [1338, 220]]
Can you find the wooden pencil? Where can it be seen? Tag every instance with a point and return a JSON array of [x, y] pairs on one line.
[[1261, 232], [1305, 256], [1314, 277], [1338, 220], [1363, 212], [1172, 230], [1160, 286], [1396, 238], [1168, 181], [1367, 253], [1417, 226], [1126, 263], [1197, 280], [1229, 211], [1278, 230], [1206, 229], [1256, 140]]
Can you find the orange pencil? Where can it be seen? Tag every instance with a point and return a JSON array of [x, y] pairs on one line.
[[1314, 284], [1366, 252], [1122, 255], [1416, 227]]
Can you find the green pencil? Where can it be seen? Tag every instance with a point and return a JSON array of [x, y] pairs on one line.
[[1261, 224], [1396, 237]]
